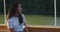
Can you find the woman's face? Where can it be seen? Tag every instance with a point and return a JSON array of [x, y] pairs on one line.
[[19, 9]]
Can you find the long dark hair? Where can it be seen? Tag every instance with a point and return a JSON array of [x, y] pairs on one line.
[[13, 9]]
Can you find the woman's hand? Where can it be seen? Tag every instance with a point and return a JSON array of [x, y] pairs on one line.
[[11, 30], [26, 29]]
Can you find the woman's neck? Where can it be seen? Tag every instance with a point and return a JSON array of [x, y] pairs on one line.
[[16, 15]]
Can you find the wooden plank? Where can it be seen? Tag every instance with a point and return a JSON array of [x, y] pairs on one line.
[[3, 28]]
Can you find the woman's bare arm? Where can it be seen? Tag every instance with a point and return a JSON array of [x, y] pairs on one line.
[[26, 27]]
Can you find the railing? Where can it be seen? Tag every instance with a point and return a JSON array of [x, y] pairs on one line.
[[34, 28]]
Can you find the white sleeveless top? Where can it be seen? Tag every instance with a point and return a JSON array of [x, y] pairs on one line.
[[14, 23]]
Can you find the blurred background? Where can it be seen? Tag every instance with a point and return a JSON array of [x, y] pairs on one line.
[[37, 12], [1, 12], [58, 12]]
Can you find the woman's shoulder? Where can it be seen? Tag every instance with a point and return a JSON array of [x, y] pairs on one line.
[[11, 19], [23, 15]]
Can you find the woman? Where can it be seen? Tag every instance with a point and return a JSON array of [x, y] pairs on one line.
[[16, 19]]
